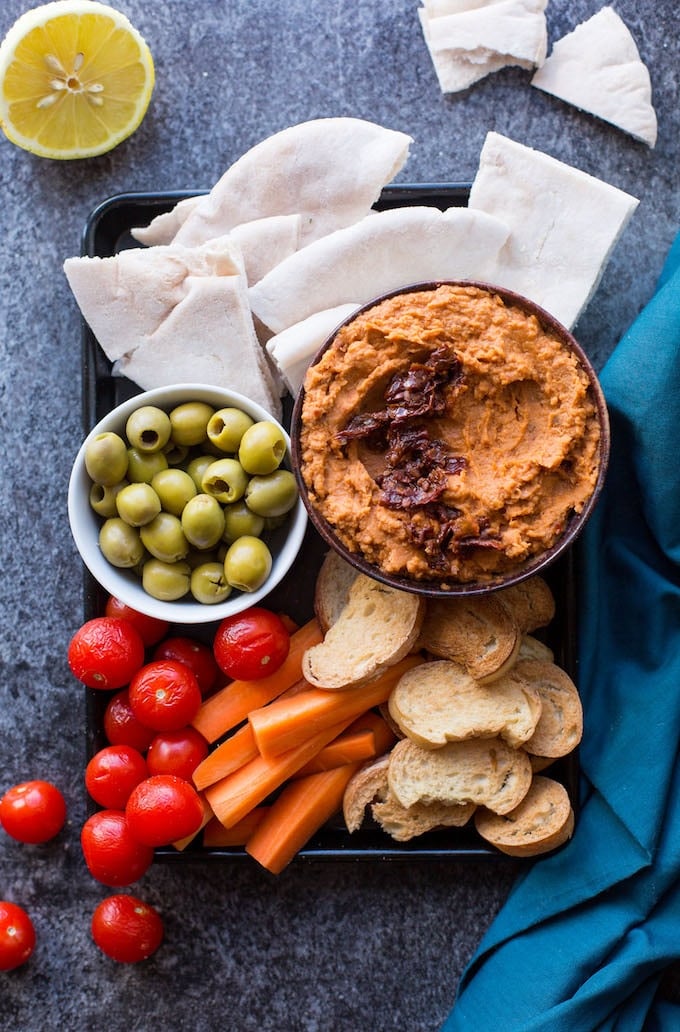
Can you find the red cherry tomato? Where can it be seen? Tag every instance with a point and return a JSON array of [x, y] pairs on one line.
[[121, 726], [165, 695], [105, 652], [17, 936], [150, 628], [126, 929], [177, 752], [113, 855], [162, 809], [112, 773], [33, 811], [251, 644], [196, 655]]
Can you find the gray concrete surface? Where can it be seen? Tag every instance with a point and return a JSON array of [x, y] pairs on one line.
[[362, 947]]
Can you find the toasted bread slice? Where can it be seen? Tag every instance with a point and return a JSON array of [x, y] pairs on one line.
[[531, 603], [331, 592], [560, 726], [439, 702], [478, 632], [543, 821], [369, 787], [534, 648], [377, 627], [483, 771]]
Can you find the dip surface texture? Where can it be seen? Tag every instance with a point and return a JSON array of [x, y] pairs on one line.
[[447, 436]]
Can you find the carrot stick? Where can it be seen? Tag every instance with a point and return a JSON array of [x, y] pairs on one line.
[[301, 809], [237, 794], [285, 723], [236, 750], [181, 844], [349, 747], [231, 705], [215, 834], [383, 733]]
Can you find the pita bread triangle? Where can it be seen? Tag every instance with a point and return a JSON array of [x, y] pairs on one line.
[[598, 69]]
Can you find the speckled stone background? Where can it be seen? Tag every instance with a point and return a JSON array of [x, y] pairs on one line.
[[360, 947]]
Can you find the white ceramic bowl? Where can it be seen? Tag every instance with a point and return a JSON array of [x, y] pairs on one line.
[[125, 584]]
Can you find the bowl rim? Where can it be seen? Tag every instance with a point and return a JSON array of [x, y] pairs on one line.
[[538, 563], [119, 582]]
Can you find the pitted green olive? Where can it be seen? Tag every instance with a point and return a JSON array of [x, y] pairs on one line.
[[197, 467], [166, 581], [247, 564], [240, 520], [209, 583], [225, 479], [103, 499], [164, 538], [142, 467], [175, 453], [148, 429], [203, 521], [137, 504], [262, 448], [175, 488], [120, 543], [106, 459], [272, 495], [190, 422], [226, 427]]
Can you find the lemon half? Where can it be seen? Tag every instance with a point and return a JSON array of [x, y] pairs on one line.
[[76, 79]]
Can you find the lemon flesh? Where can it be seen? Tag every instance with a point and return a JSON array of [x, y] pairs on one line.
[[76, 79]]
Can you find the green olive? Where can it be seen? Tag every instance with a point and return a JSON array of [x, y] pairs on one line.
[[248, 563], [164, 538], [175, 488], [197, 467], [148, 429], [262, 448], [142, 467], [203, 521], [190, 422], [226, 428], [106, 459], [240, 520], [209, 583], [120, 543], [226, 480], [273, 494], [137, 504], [103, 499], [166, 581], [175, 453]]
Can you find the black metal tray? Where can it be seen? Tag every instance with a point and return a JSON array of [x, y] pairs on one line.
[[107, 232]]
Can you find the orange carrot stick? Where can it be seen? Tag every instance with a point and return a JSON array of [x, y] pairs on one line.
[[383, 733], [285, 723], [215, 834], [236, 795], [349, 747], [228, 707], [300, 810], [236, 750]]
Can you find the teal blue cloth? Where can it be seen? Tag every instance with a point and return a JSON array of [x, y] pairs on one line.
[[585, 935]]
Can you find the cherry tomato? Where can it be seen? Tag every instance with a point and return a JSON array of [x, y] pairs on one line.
[[33, 811], [113, 855], [105, 652], [150, 628], [196, 655], [112, 773], [126, 929], [121, 726], [17, 936], [162, 809], [177, 752], [165, 695], [251, 644]]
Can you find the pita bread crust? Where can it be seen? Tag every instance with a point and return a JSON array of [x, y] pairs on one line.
[[164, 228], [598, 69], [382, 252], [512, 28], [266, 242], [559, 244], [293, 349], [456, 72]]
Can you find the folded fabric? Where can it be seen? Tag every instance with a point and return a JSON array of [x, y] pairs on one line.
[[586, 934]]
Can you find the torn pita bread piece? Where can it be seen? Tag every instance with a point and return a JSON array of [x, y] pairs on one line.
[[437, 8], [151, 299], [598, 69], [454, 72], [293, 349], [330, 171], [164, 227], [564, 224], [513, 29], [266, 242], [382, 252]]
